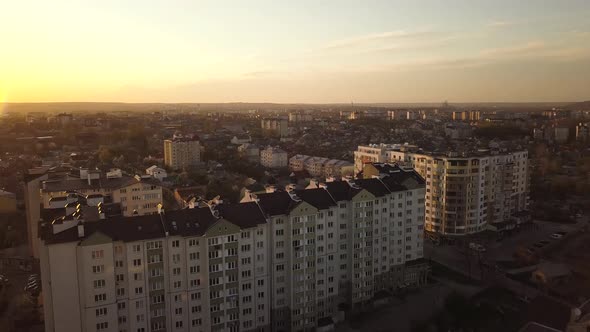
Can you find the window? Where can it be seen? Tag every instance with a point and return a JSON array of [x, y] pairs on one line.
[[121, 305], [98, 268], [119, 263], [96, 254], [103, 326], [193, 242], [100, 297], [136, 248], [138, 290], [99, 283], [101, 312], [137, 262], [120, 277], [195, 296], [175, 244], [120, 291], [137, 276]]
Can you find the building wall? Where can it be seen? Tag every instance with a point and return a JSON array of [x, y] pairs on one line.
[[32, 193], [464, 194], [180, 154], [282, 275]]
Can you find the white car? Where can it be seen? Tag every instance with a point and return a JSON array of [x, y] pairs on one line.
[[556, 236]]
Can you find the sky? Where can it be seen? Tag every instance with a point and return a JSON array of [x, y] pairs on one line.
[[316, 51]]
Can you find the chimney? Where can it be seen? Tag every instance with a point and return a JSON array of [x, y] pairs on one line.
[[80, 230]]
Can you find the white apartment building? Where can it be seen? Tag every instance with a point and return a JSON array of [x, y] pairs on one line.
[[156, 172], [181, 152], [320, 167], [465, 193], [273, 157], [279, 261]]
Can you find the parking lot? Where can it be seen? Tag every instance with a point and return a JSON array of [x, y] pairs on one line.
[[470, 263]]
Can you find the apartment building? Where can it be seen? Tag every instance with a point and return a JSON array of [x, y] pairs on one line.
[[54, 188], [466, 192], [582, 132], [320, 167], [277, 261], [181, 152], [273, 157], [275, 126]]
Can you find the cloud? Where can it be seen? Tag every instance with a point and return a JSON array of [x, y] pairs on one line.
[[378, 37], [500, 24], [528, 48]]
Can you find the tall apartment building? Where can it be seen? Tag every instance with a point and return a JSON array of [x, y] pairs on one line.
[[280, 261], [320, 167], [583, 132], [276, 126], [181, 152], [53, 189], [465, 193], [273, 157]]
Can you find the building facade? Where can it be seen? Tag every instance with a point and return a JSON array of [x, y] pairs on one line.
[[273, 157], [182, 152], [465, 193], [320, 167], [278, 261]]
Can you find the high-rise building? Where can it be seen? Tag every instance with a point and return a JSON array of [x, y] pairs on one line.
[[48, 190], [182, 152], [583, 132], [464, 192], [278, 261]]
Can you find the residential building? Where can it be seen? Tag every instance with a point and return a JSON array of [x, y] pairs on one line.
[[249, 151], [275, 126], [7, 202], [465, 192], [241, 139], [53, 189], [582, 132], [562, 134], [321, 167], [278, 261], [300, 117], [182, 152], [273, 157], [373, 153], [156, 172]]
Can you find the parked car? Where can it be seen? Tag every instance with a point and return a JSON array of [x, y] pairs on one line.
[[556, 236]]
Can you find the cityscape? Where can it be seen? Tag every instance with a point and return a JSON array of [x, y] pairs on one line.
[[315, 183]]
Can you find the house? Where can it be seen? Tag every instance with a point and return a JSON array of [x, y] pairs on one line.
[[156, 172], [241, 139]]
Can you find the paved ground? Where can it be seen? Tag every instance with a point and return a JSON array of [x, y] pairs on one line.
[[416, 307]]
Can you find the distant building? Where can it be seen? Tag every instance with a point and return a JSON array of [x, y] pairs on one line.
[[458, 130], [453, 206], [7, 202], [562, 134], [466, 115], [241, 139], [321, 167], [156, 172], [582, 132], [182, 152], [273, 157], [64, 119], [300, 117], [249, 151], [275, 126]]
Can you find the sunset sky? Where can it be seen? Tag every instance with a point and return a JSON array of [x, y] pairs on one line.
[[316, 51]]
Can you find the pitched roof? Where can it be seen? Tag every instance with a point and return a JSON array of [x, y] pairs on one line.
[[341, 190], [374, 186], [276, 203], [244, 215], [319, 198]]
